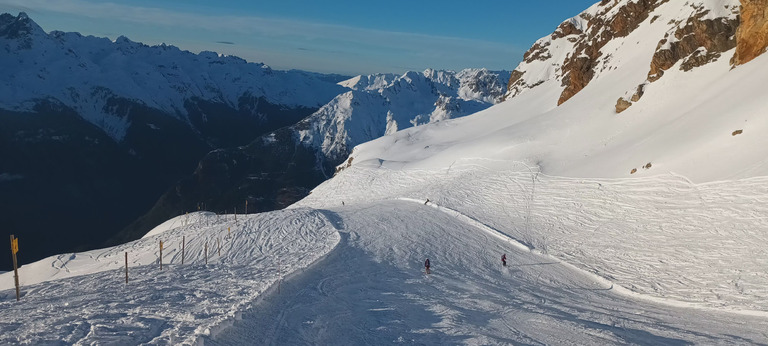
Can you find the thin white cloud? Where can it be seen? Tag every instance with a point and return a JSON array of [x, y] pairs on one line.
[[349, 39], [239, 24]]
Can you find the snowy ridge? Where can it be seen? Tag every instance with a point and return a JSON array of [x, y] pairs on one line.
[[88, 73], [385, 103]]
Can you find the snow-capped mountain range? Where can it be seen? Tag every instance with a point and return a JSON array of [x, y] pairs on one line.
[[102, 128], [88, 73], [645, 226], [137, 117]]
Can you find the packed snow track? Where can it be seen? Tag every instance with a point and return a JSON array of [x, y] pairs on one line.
[[372, 289]]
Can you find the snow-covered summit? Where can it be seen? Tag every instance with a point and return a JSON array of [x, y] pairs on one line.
[[382, 104]]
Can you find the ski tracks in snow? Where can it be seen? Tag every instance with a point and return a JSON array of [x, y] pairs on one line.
[[371, 289], [179, 304], [662, 237]]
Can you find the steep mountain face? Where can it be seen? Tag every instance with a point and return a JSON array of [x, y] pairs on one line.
[[99, 129], [281, 167], [584, 47]]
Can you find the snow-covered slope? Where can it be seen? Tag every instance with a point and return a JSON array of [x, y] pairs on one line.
[[680, 172], [370, 288], [686, 122], [385, 103], [228, 263]]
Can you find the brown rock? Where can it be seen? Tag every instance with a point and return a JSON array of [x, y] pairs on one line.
[[699, 42], [622, 105], [578, 69], [638, 93], [539, 51], [565, 29], [634, 170], [580, 73], [752, 36], [344, 166], [737, 132]]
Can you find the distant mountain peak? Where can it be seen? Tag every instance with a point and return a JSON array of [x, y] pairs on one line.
[[19, 27], [381, 104]]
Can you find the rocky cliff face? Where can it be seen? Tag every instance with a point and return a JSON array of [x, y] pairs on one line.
[[752, 35], [687, 35]]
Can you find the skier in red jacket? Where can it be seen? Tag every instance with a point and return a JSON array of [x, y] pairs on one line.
[[504, 259], [426, 265]]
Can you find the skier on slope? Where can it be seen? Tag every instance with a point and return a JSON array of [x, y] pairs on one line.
[[426, 265], [504, 259]]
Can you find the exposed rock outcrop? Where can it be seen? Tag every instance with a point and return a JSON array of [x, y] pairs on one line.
[[622, 104], [698, 42], [752, 36], [686, 34], [587, 34], [580, 67]]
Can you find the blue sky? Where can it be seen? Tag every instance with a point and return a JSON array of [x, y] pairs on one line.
[[341, 36]]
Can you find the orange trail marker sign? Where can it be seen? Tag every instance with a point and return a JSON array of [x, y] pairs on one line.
[[14, 250]]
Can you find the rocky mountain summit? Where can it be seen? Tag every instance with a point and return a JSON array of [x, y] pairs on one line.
[[687, 34]]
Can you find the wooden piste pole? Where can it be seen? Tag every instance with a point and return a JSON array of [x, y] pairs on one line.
[[161, 255], [218, 246], [183, 246], [206, 252], [126, 267], [246, 207], [235, 214], [14, 250]]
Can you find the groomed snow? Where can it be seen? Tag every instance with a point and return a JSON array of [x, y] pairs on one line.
[[372, 290], [664, 238], [82, 298]]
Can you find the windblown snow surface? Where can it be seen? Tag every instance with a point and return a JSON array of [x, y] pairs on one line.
[[673, 254]]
